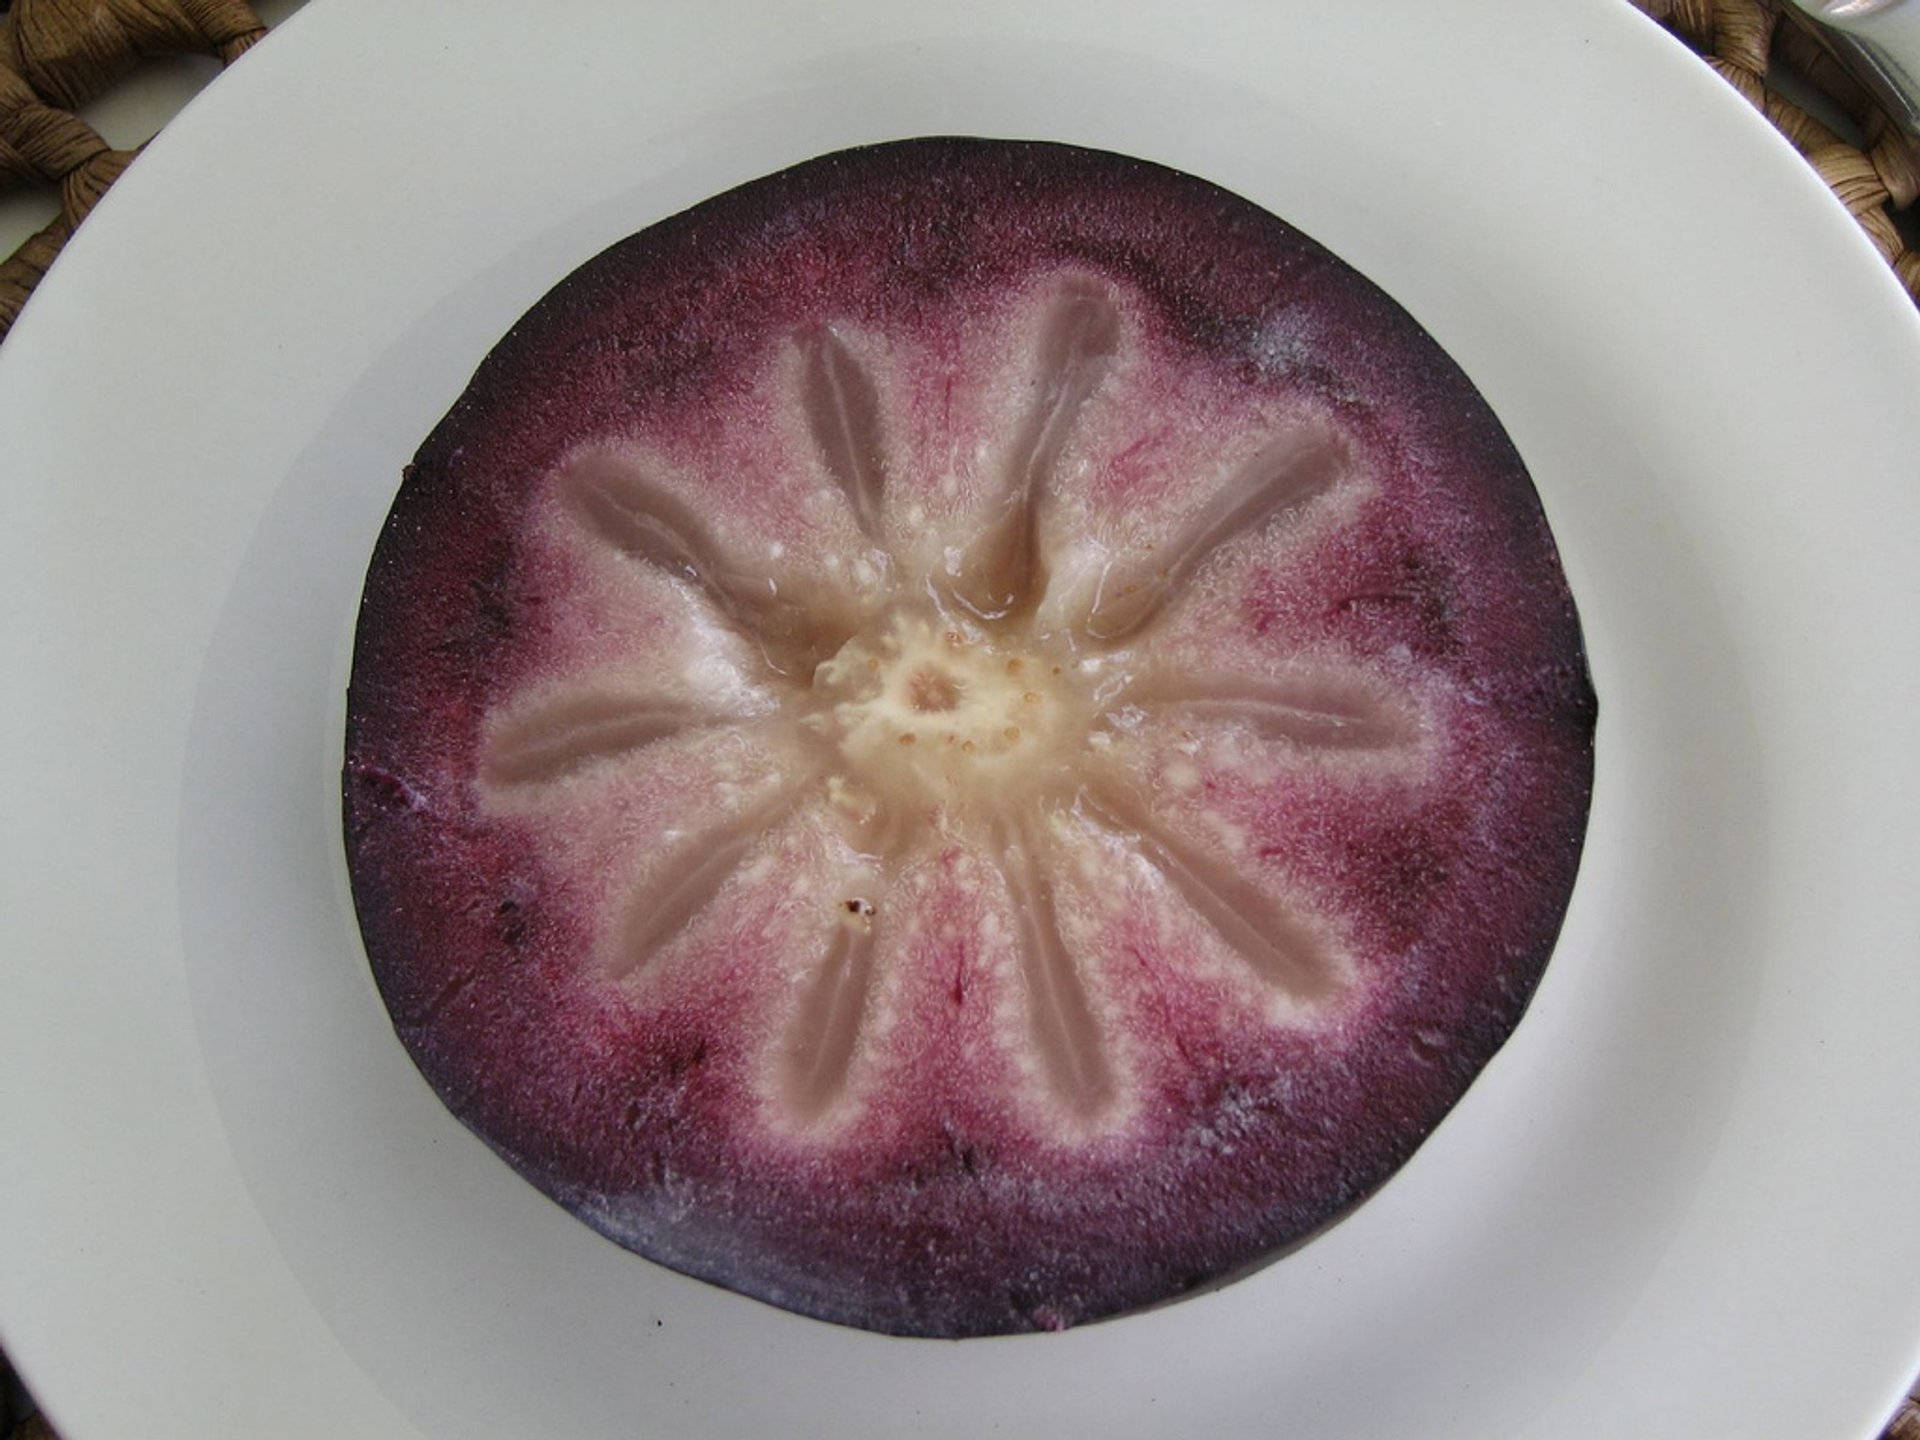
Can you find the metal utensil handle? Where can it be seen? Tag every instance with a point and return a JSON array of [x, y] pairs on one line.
[[1880, 41]]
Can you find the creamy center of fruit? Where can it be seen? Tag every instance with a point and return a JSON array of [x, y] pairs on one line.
[[922, 709]]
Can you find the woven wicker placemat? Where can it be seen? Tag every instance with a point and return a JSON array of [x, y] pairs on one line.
[[56, 55]]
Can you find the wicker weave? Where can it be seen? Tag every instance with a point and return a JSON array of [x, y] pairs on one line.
[[56, 55], [1764, 49]]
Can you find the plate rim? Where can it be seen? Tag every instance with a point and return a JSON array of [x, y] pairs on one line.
[[212, 114]]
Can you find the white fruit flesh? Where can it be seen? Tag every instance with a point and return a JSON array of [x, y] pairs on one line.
[[934, 712]]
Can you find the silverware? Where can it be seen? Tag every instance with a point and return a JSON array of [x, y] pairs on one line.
[[1879, 40]]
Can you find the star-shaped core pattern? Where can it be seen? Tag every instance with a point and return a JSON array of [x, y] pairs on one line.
[[974, 702], [962, 738]]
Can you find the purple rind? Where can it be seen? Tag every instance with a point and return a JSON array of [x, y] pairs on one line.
[[946, 1231]]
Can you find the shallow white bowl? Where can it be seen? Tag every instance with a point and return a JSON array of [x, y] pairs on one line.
[[1678, 1204]]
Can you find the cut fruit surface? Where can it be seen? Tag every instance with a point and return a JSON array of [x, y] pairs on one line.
[[963, 738]]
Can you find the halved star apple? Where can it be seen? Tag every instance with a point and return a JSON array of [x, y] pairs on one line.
[[963, 738]]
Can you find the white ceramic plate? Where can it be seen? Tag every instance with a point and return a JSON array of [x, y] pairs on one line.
[[1678, 1204]]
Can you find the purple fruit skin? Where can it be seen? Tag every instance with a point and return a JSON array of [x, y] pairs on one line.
[[950, 1227]]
